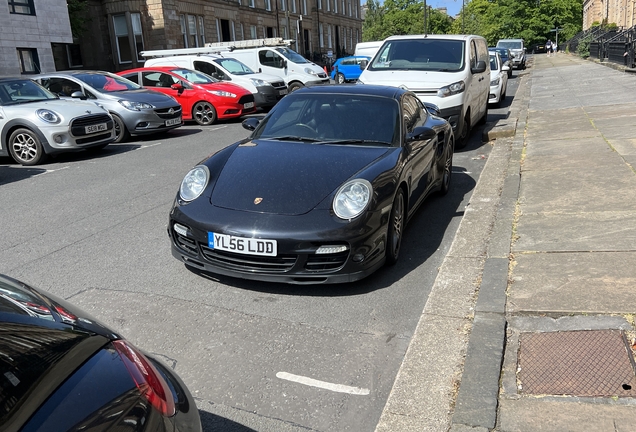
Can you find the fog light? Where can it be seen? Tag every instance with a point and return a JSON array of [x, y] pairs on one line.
[[180, 229], [142, 125], [331, 249], [58, 139], [358, 258]]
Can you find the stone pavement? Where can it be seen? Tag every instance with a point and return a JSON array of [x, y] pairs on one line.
[[533, 330]]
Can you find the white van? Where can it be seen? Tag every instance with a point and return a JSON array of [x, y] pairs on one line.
[[367, 49], [273, 56], [267, 89], [450, 71]]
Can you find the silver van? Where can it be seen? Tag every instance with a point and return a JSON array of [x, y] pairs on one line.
[[449, 71]]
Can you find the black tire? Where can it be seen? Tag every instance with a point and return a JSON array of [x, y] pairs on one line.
[[203, 113], [462, 139], [121, 132], [396, 228], [447, 170], [295, 86], [340, 78], [25, 147]]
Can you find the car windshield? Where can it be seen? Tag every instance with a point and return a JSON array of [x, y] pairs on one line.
[[235, 67], [493, 62], [194, 77], [292, 55], [107, 83], [339, 119], [509, 44], [420, 54], [19, 91]]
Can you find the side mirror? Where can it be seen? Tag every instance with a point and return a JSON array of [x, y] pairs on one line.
[[78, 95], [420, 133], [251, 123], [432, 109], [481, 66], [505, 68], [177, 86], [363, 64]]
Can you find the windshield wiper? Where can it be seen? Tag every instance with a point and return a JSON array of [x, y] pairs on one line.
[[292, 138], [357, 141]]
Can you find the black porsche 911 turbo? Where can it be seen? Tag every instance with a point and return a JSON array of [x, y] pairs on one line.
[[320, 192], [63, 371]]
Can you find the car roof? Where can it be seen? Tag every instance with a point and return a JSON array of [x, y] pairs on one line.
[[435, 36], [354, 89]]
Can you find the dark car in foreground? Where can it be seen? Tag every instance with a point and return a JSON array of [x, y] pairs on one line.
[[62, 371], [319, 193]]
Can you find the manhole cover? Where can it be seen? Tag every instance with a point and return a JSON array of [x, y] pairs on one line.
[[577, 363]]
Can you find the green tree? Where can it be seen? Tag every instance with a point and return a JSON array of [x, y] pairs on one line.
[[77, 14]]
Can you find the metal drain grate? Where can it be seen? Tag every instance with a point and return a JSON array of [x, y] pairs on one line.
[[577, 363]]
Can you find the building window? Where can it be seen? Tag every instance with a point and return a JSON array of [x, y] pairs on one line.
[[329, 37], [349, 6], [250, 3], [319, 4], [124, 37], [268, 5], [304, 7], [320, 38], [283, 30], [242, 32], [192, 31], [253, 32], [22, 7], [283, 5], [328, 5], [293, 5], [335, 6], [29, 62], [74, 55]]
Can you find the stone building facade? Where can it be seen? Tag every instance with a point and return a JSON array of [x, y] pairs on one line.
[[119, 29], [31, 31], [620, 12]]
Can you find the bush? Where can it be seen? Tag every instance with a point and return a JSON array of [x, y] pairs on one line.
[[583, 48]]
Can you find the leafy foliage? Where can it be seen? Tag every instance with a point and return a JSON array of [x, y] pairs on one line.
[[77, 12], [532, 20]]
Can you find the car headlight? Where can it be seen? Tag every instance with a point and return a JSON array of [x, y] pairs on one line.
[[259, 82], [495, 82], [194, 183], [48, 116], [352, 199], [451, 89], [311, 72], [222, 93], [135, 106]]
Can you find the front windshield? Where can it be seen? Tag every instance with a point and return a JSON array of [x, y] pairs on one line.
[[19, 91], [510, 44], [106, 82], [235, 67], [420, 54], [333, 118], [194, 77], [292, 55]]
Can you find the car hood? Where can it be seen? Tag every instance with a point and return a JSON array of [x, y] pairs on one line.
[[412, 80], [289, 178], [225, 86], [142, 95], [66, 108], [266, 77]]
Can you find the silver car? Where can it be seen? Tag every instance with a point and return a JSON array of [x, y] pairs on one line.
[[35, 123], [136, 111]]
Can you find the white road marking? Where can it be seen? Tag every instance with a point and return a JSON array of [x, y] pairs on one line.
[[340, 388], [53, 170]]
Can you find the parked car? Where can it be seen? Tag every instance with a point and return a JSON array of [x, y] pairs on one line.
[[204, 99], [517, 49], [136, 111], [320, 192], [506, 58], [498, 79], [35, 123], [450, 71], [267, 89], [62, 370], [347, 68]]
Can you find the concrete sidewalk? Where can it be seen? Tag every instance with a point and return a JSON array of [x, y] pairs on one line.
[[547, 304]]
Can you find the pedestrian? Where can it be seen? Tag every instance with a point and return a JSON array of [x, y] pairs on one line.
[[548, 47]]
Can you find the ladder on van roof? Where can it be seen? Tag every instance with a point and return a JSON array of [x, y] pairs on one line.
[[218, 47]]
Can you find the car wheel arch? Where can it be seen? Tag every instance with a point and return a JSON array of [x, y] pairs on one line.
[[14, 124]]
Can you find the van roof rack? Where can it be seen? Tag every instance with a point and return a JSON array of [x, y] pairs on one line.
[[218, 47]]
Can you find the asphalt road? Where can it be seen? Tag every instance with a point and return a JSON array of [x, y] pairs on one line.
[[91, 228]]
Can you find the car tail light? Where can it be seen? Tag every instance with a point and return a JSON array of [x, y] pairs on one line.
[[149, 382]]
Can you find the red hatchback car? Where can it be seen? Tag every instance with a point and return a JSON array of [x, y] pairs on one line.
[[203, 98]]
